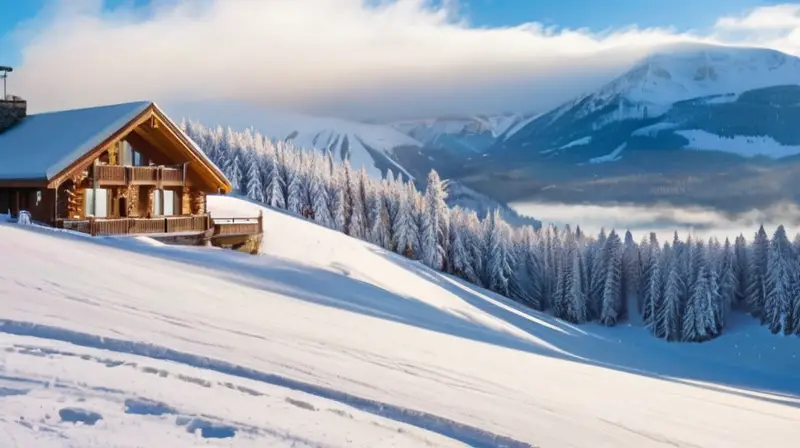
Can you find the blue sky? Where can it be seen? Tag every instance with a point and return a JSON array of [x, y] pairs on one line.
[[596, 15]]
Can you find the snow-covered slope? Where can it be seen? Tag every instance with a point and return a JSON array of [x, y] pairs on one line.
[[328, 341], [460, 134], [367, 145], [732, 95]]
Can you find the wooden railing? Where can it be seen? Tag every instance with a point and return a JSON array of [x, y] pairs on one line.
[[138, 226], [238, 226], [138, 175], [222, 227]]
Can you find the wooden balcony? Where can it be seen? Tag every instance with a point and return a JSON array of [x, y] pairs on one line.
[[168, 225], [139, 226], [119, 175]]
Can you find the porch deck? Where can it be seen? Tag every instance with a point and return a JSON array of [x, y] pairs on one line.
[[168, 225]]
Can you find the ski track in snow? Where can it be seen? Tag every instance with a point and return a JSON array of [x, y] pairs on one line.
[[472, 436]]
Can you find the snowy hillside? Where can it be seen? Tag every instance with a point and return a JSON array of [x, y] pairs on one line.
[[328, 341], [367, 145], [732, 97], [460, 134]]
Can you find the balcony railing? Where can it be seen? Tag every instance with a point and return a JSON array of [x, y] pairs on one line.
[[138, 226], [137, 175], [220, 227]]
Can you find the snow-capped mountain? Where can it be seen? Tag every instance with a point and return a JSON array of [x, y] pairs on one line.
[[371, 146], [702, 97], [461, 134]]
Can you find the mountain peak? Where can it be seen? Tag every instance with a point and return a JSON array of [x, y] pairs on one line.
[[683, 71]]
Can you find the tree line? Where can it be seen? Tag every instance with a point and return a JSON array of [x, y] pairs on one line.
[[679, 290]]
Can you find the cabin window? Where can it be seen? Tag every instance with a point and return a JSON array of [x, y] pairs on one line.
[[130, 156], [96, 202], [164, 202]]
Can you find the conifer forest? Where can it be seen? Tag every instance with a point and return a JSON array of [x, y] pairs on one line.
[[680, 290]]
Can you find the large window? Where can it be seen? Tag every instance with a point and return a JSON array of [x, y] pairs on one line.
[[96, 202], [164, 202], [130, 156]]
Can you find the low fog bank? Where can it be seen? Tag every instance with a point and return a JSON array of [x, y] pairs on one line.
[[664, 219]]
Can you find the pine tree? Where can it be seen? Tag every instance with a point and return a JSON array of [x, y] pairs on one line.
[[631, 278], [459, 252], [698, 319], [612, 302], [756, 288], [435, 226], [741, 271], [778, 283], [498, 257], [599, 274], [669, 318]]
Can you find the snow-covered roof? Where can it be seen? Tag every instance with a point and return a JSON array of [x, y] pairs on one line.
[[43, 145]]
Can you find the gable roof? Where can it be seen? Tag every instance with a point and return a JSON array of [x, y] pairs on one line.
[[42, 146]]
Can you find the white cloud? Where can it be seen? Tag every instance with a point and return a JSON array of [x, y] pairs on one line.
[[363, 58]]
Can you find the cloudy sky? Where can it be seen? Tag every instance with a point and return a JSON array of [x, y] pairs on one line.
[[373, 59]]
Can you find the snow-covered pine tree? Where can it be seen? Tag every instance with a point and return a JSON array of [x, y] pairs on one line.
[[741, 271], [434, 225], [670, 314], [576, 303], [459, 252], [274, 188], [403, 236], [379, 233], [698, 318], [778, 283], [653, 292], [612, 301], [528, 274], [389, 194], [598, 276], [631, 278], [255, 190], [727, 281], [756, 288], [498, 258]]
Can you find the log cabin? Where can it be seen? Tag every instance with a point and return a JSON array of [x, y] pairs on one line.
[[110, 170]]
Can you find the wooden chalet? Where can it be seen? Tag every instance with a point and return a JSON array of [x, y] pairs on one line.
[[110, 170]]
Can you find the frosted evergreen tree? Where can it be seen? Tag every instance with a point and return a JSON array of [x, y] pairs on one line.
[[459, 252], [275, 188], [498, 262], [598, 276], [757, 269], [698, 318], [320, 203], [727, 281], [335, 200], [612, 301], [631, 278], [669, 319], [389, 194], [255, 190], [527, 287], [365, 197], [476, 244], [778, 284], [379, 233], [576, 303], [353, 207], [403, 233], [653, 292], [741, 271], [435, 226]]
